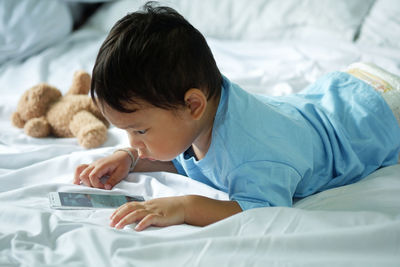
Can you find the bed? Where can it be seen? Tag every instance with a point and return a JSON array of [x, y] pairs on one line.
[[268, 47]]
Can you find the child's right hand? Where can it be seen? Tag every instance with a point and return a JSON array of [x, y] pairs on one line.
[[116, 166]]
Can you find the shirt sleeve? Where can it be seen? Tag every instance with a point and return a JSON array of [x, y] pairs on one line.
[[263, 184]]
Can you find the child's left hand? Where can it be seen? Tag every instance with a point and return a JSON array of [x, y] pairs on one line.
[[158, 212]]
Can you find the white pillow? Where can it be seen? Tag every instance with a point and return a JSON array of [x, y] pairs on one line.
[[109, 13], [28, 26], [257, 19], [382, 25]]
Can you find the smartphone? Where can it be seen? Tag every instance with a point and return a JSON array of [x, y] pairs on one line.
[[68, 201]]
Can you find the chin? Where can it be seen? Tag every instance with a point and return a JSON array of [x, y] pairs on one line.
[[166, 158]]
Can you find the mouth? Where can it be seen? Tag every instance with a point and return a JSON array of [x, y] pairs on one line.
[[148, 158]]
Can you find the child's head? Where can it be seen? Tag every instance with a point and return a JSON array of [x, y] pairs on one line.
[[155, 56], [156, 77]]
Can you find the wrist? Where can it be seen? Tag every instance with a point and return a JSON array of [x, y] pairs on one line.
[[185, 202], [133, 155], [201, 210], [190, 208]]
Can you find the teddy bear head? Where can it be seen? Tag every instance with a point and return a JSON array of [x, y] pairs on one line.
[[34, 103]]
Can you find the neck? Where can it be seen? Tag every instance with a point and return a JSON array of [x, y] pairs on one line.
[[203, 141]]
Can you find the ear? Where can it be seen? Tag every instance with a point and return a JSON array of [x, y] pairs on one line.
[[196, 102]]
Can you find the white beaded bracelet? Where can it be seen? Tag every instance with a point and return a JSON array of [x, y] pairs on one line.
[[134, 160]]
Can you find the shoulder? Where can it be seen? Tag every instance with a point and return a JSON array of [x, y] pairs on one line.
[[257, 127], [241, 109]]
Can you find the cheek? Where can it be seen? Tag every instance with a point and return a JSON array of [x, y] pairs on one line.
[[169, 145], [165, 149]]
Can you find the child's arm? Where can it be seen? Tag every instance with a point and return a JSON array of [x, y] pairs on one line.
[[191, 209], [117, 167]]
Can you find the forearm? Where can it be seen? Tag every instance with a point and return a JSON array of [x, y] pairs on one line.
[[202, 211], [144, 165]]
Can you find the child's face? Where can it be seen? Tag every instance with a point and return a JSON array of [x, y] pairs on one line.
[[157, 134]]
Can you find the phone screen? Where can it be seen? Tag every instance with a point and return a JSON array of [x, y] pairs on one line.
[[95, 200]]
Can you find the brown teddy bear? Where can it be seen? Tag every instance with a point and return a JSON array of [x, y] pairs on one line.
[[42, 111]]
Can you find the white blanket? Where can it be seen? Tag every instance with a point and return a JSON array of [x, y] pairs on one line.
[[354, 225]]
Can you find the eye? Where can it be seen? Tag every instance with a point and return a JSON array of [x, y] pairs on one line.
[[141, 131]]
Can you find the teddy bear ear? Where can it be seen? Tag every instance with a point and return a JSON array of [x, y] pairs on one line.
[[80, 84], [16, 120]]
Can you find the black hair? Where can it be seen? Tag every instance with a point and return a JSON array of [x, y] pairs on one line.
[[154, 55]]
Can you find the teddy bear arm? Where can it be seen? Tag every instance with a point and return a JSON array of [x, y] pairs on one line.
[[89, 130], [37, 127], [80, 84]]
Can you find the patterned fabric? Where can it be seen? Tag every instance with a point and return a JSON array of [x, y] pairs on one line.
[[382, 81]]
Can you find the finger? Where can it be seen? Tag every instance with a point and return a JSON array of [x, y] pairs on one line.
[[86, 171], [78, 171], [95, 176], [100, 170], [95, 182], [115, 178], [84, 176], [124, 210], [118, 210], [122, 216], [148, 220], [132, 217]]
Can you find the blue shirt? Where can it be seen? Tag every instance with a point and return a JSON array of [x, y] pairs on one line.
[[267, 150]]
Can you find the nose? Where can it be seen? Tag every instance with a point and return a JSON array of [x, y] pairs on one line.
[[135, 142], [140, 153]]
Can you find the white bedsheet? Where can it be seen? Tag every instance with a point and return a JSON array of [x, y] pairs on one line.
[[355, 225]]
